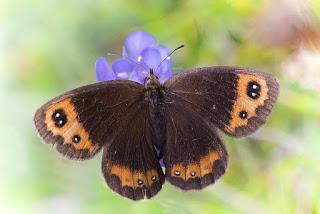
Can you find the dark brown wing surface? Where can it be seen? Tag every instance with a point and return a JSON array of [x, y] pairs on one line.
[[236, 100], [81, 121], [194, 154], [130, 164]]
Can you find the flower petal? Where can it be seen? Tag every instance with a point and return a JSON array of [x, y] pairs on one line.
[[139, 75], [137, 41], [122, 68], [103, 70], [164, 76], [139, 46], [150, 57], [124, 52], [164, 71], [158, 155], [164, 51]]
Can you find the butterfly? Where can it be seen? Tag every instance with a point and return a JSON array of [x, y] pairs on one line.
[[179, 121]]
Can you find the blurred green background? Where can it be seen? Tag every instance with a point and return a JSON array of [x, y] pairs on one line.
[[48, 47]]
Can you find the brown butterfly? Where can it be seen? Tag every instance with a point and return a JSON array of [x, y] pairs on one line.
[[180, 119]]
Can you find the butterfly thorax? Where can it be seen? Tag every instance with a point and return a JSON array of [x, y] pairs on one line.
[[154, 93]]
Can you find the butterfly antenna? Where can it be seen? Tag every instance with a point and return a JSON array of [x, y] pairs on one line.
[[127, 58], [181, 46]]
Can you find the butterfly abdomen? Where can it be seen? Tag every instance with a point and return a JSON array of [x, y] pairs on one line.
[[156, 99]]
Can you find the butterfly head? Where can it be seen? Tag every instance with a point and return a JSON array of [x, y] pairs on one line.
[[152, 81]]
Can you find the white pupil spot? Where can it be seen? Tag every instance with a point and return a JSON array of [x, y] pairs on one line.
[[57, 114], [254, 94], [254, 86]]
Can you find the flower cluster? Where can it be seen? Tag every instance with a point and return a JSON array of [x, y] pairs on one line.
[[140, 53]]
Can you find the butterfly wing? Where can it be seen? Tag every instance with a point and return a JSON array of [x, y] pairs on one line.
[[236, 100], [194, 154], [130, 164], [81, 121]]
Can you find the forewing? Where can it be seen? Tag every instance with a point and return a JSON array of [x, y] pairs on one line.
[[130, 165], [236, 100], [81, 121]]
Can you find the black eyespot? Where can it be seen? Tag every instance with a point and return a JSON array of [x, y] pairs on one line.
[[193, 173], [253, 90], [76, 139], [243, 115], [177, 173], [153, 178], [140, 182], [59, 117]]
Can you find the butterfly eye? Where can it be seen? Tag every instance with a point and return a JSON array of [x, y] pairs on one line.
[[193, 173], [253, 90], [76, 139], [59, 117]]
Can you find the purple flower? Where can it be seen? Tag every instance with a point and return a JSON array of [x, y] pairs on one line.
[[140, 53]]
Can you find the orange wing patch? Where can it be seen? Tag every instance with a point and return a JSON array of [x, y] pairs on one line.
[[70, 128], [207, 161], [196, 170], [245, 106], [133, 179]]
